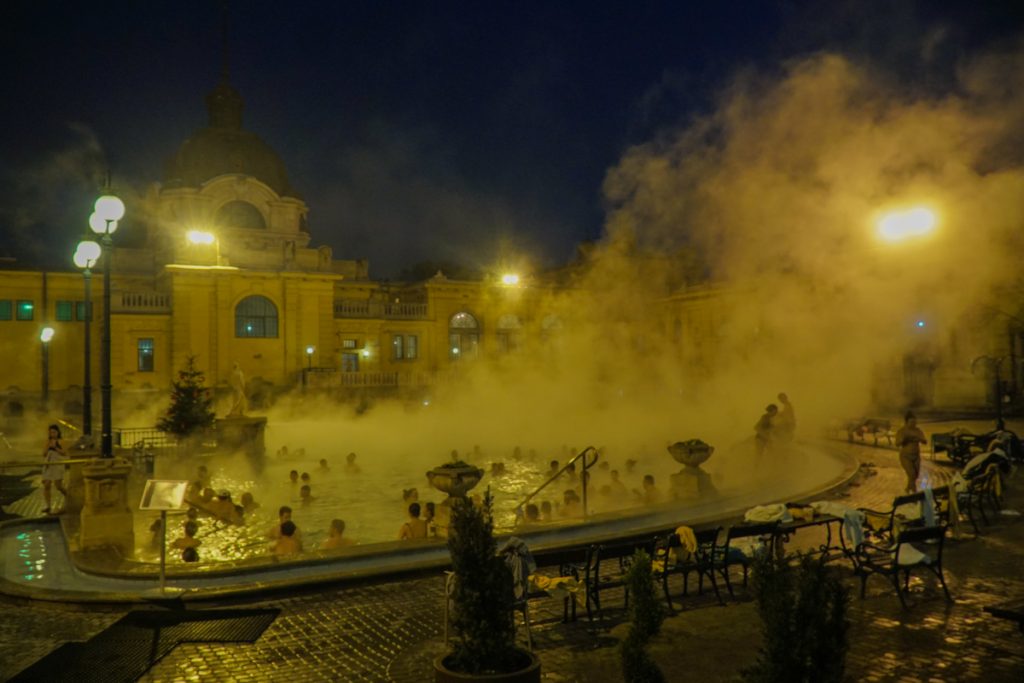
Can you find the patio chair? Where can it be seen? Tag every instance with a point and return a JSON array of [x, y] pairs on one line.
[[914, 548], [730, 554], [671, 558]]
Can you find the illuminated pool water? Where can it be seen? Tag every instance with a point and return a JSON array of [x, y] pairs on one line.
[[35, 561]]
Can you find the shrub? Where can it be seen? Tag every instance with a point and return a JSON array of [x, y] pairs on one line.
[[646, 614], [482, 597], [804, 622]]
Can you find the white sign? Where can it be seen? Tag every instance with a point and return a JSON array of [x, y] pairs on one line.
[[163, 494]]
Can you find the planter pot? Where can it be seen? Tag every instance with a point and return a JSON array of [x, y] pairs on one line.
[[691, 453], [530, 673], [455, 481]]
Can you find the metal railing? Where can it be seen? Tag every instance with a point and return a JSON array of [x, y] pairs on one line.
[[584, 478], [142, 302], [367, 308]]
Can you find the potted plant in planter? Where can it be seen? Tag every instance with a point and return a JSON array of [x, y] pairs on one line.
[[482, 601]]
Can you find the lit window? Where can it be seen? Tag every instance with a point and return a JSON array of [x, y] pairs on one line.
[[350, 344], [5, 310], [396, 347], [64, 310], [26, 310], [145, 355], [463, 336], [412, 343], [256, 316], [80, 311]]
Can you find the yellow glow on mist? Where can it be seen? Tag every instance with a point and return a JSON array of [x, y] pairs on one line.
[[897, 226]]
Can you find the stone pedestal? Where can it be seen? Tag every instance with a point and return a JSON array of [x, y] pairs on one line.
[[106, 518], [243, 434]]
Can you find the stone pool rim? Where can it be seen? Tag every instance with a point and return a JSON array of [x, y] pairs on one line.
[[421, 556]]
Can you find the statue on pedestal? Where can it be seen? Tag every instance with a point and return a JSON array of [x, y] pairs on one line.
[[239, 404]]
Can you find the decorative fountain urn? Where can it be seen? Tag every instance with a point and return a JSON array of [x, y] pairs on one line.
[[455, 479], [691, 480]]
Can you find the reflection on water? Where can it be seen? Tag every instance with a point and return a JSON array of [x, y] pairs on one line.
[[371, 501]]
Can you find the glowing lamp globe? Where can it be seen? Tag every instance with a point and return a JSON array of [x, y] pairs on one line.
[[109, 208], [87, 253], [46, 334]]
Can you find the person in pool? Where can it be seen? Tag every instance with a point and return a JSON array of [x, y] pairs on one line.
[[288, 543], [336, 536], [414, 527]]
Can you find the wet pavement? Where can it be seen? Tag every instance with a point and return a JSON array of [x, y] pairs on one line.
[[390, 631]]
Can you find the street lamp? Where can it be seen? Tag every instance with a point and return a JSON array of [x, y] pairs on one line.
[[309, 356], [897, 226], [103, 221], [86, 255], [45, 335], [205, 238]]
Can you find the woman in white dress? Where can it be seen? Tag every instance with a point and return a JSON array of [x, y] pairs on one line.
[[53, 471]]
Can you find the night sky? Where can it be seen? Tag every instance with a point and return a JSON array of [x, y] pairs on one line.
[[464, 133]]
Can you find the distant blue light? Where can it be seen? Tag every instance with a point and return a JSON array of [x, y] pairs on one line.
[[920, 323]]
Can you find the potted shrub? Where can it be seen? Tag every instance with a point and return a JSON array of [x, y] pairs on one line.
[[482, 602]]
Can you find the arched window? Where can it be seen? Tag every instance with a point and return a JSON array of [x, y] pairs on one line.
[[463, 336], [239, 214], [508, 332], [256, 316]]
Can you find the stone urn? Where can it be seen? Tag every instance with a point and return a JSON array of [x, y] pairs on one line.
[[692, 453], [455, 479]]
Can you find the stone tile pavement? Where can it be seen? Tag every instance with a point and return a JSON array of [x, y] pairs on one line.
[[389, 631]]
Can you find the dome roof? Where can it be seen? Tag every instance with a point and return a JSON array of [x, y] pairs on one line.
[[224, 148]]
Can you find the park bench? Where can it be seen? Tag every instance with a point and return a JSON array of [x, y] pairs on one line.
[[907, 511], [670, 558], [875, 426], [914, 548], [1011, 611], [981, 489], [729, 554], [605, 567]]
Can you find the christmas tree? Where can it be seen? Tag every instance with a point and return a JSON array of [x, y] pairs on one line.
[[191, 409]]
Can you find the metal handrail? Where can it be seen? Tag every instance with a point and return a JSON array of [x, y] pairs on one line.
[[584, 476]]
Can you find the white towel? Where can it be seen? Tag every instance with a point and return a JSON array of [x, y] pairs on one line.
[[768, 513], [929, 508]]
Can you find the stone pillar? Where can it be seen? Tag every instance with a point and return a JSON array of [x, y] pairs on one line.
[[106, 518]]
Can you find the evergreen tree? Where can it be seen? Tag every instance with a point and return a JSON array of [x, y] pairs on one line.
[[191, 409]]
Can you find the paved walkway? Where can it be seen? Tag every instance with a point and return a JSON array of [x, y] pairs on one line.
[[390, 631]]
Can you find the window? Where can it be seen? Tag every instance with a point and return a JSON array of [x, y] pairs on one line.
[[5, 310], [350, 344], [145, 355], [81, 311], [256, 316], [64, 310], [26, 310], [350, 362], [508, 331], [404, 347], [240, 214], [463, 336]]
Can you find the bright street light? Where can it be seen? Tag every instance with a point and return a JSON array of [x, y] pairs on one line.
[[510, 279], [897, 226], [86, 256], [200, 237], [108, 210], [46, 334]]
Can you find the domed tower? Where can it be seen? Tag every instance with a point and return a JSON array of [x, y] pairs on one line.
[[227, 182]]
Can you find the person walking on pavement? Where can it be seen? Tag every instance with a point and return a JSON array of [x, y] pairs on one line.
[[909, 438]]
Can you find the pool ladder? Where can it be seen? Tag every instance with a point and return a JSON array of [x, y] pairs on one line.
[[589, 456]]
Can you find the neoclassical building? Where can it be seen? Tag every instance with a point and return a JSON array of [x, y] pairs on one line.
[[257, 291]]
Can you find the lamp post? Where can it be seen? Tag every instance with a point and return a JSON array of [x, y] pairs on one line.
[[45, 335], [309, 356], [107, 212], [86, 255], [996, 365]]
